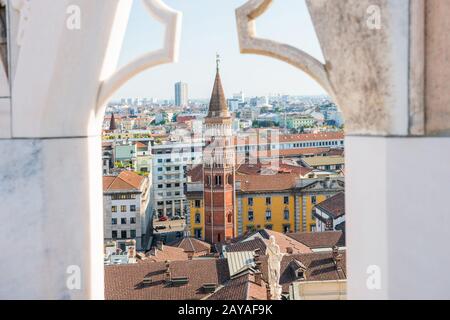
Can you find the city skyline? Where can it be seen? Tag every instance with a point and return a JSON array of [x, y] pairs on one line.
[[255, 75]]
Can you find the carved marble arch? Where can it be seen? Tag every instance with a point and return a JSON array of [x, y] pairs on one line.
[[69, 100], [366, 72]]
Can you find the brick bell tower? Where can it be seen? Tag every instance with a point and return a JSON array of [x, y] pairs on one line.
[[218, 168]]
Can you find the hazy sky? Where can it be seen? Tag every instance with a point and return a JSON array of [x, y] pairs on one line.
[[209, 26]]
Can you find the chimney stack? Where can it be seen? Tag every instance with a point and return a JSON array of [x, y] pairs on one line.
[[269, 295], [258, 278], [289, 250], [167, 274], [190, 255], [335, 254]]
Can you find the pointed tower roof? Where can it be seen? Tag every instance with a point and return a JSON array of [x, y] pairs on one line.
[[218, 105], [112, 123]]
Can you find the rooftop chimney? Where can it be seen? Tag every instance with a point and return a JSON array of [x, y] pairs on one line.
[[258, 278], [167, 274], [335, 254], [269, 295], [289, 250]]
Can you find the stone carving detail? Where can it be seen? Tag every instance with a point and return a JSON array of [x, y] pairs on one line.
[[23, 7], [169, 53], [274, 264], [366, 70], [72, 76]]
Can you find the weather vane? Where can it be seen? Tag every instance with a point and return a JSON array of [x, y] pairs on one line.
[[217, 61]]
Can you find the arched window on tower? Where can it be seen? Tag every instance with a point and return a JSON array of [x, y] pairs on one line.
[[230, 218], [218, 180]]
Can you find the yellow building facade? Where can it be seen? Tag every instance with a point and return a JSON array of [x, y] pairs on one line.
[[284, 211]]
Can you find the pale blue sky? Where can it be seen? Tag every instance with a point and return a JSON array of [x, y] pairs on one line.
[[209, 26]]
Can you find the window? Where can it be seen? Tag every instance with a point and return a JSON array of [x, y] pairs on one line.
[[113, 209], [123, 221], [114, 234], [177, 193], [250, 201], [250, 215], [160, 160], [177, 168], [132, 233], [230, 218], [286, 200], [114, 221], [132, 220], [168, 185], [123, 208], [268, 201], [268, 215], [160, 169], [197, 203], [218, 180], [198, 233], [197, 218], [160, 186], [313, 200], [123, 234], [160, 178], [177, 185], [122, 196], [286, 214], [133, 208]]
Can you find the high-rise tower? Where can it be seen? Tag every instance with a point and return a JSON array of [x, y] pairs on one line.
[[181, 94], [219, 168]]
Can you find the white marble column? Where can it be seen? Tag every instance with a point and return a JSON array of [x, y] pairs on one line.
[[397, 219], [378, 54], [63, 56], [52, 220]]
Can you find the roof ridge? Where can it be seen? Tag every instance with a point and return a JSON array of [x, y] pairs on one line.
[[118, 177]]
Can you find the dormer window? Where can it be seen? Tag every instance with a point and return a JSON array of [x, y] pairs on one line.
[[300, 274]]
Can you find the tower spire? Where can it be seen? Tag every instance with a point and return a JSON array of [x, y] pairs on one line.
[[112, 123], [218, 105]]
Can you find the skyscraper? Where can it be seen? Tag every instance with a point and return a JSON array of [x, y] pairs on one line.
[[181, 94]]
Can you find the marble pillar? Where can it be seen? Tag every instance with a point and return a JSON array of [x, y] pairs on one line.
[[378, 54], [62, 70], [51, 199]]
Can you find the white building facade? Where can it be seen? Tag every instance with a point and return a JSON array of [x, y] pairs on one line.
[[127, 208], [170, 163]]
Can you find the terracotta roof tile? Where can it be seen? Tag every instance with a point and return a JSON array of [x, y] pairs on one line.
[[275, 182], [190, 244], [334, 206], [126, 180], [168, 253], [318, 240], [125, 282], [320, 266]]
